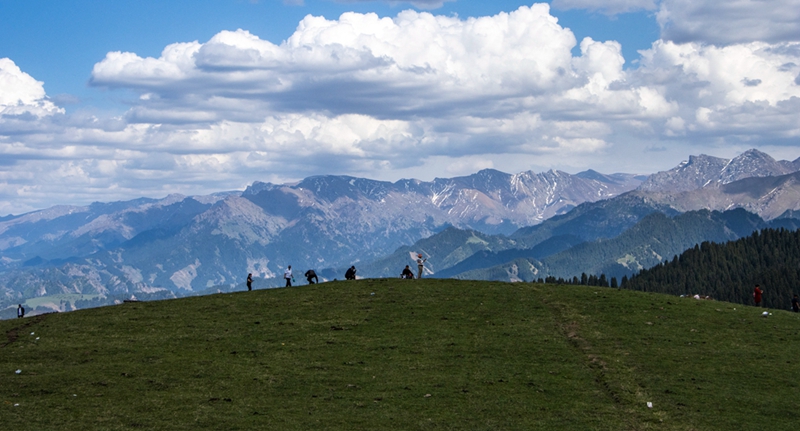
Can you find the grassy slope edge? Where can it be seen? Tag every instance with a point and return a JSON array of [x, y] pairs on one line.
[[423, 354]]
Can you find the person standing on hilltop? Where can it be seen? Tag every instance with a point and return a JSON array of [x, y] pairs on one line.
[[420, 265], [21, 311], [757, 292], [288, 276], [249, 281], [796, 304]]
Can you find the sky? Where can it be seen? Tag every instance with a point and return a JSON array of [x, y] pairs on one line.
[[109, 100]]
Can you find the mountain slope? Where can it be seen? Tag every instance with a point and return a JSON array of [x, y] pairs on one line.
[[450, 247], [64, 232], [769, 197], [594, 220], [186, 245], [773, 198], [655, 238]]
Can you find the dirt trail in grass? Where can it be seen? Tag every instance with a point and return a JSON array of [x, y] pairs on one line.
[[616, 381], [13, 334]]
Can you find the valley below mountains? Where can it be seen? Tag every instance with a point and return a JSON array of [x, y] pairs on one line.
[[490, 225]]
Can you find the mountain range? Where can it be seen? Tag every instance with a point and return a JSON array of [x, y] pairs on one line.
[[176, 246]]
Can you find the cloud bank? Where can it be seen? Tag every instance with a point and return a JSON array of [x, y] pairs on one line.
[[729, 22], [413, 95], [611, 7]]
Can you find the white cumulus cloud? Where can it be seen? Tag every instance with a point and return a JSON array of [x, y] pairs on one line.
[[416, 64], [21, 94], [744, 91]]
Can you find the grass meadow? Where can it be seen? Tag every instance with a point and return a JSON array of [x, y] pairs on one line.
[[390, 354]]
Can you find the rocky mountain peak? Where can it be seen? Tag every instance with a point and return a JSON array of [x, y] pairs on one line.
[[752, 163], [708, 171], [257, 187]]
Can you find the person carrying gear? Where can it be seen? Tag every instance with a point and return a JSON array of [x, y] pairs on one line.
[[288, 276], [420, 265]]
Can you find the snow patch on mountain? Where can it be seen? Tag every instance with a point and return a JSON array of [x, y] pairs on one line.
[[183, 278], [134, 275], [259, 267]]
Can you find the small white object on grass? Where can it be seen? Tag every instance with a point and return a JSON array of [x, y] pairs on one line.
[[649, 405], [32, 333], [18, 371], [766, 313], [372, 293]]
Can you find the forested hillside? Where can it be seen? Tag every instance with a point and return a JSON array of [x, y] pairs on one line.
[[729, 271]]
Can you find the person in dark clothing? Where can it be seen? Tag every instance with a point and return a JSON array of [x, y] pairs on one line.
[[407, 273], [311, 276], [250, 281], [21, 311], [796, 304], [350, 274], [757, 292]]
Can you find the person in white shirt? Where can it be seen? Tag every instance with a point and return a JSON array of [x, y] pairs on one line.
[[288, 276], [420, 266]]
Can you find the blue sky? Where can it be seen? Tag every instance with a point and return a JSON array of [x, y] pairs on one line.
[[58, 42], [110, 100]]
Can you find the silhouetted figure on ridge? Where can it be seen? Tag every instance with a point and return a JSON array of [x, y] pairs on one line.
[[350, 274], [311, 275]]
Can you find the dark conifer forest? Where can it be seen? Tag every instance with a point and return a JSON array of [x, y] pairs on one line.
[[729, 271]]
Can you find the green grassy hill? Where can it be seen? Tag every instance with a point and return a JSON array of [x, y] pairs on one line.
[[407, 355]]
